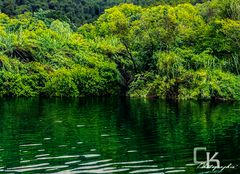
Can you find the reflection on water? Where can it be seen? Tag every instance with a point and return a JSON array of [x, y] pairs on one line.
[[115, 135]]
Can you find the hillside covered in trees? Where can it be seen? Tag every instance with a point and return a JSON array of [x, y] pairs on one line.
[[183, 52], [76, 11]]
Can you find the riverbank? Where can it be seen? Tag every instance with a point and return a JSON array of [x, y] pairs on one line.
[[181, 52]]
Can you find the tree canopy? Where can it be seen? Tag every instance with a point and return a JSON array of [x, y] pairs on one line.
[[180, 51], [78, 11]]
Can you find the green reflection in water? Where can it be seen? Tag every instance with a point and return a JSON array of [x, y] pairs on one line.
[[132, 135]]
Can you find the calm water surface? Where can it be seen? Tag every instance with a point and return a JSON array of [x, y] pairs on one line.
[[115, 135]]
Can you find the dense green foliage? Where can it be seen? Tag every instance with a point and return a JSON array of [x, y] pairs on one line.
[[184, 51], [78, 11], [37, 59]]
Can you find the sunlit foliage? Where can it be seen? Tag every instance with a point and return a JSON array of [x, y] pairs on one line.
[[172, 51], [54, 61], [78, 11], [180, 51]]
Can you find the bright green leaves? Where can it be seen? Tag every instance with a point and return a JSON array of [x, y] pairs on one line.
[[170, 64], [82, 81], [170, 51], [213, 84], [17, 85], [117, 20], [37, 59], [180, 52], [61, 84]]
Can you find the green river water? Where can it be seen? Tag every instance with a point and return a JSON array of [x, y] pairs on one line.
[[116, 135]]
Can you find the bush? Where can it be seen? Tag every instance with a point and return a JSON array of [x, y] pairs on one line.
[[61, 84]]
